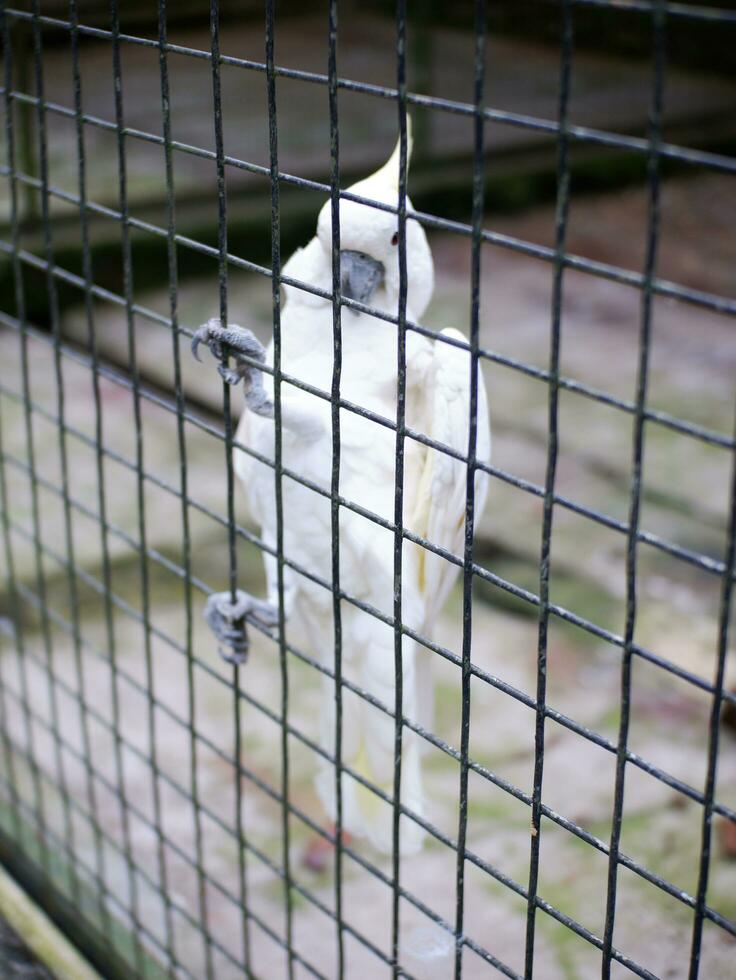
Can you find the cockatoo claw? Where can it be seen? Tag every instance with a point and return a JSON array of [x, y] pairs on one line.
[[205, 335], [244, 347], [230, 375], [320, 849], [228, 619]]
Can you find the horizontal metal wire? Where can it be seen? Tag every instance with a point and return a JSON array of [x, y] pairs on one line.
[[561, 719], [132, 381], [674, 783], [586, 134], [604, 270], [251, 538], [481, 770], [46, 835], [430, 737], [523, 698], [171, 566], [269, 791], [703, 562], [274, 795], [683, 427], [663, 418], [518, 592], [144, 874], [727, 695]]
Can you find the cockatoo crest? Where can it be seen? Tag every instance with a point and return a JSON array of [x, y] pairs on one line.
[[368, 231]]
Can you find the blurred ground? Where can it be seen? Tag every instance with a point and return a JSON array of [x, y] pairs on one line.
[[685, 500], [608, 92]]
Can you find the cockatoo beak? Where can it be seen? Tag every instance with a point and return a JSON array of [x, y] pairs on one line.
[[360, 275]]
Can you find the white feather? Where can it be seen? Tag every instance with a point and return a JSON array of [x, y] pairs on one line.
[[434, 506]]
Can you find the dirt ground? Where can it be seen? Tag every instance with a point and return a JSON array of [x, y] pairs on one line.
[[685, 502]]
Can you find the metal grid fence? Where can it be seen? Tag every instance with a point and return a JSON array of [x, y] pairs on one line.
[[33, 839]]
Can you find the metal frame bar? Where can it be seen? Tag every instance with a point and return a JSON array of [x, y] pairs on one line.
[[637, 469]]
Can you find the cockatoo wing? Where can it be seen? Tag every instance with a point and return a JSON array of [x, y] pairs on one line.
[[440, 503], [439, 510]]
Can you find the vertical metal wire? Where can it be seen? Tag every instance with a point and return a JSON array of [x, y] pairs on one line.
[[229, 465], [19, 647], [475, 280], [184, 490], [101, 488], [278, 468], [53, 299], [724, 624], [222, 287], [58, 780], [140, 471], [655, 121], [20, 657], [241, 835], [399, 486], [562, 209], [10, 579], [26, 137], [11, 778], [39, 804], [69, 836], [335, 485]]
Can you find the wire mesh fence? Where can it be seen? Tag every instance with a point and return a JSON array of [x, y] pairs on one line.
[[136, 815]]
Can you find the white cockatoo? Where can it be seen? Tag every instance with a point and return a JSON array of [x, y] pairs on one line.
[[434, 490]]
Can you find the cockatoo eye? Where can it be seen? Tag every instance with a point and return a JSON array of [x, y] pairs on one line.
[[395, 238]]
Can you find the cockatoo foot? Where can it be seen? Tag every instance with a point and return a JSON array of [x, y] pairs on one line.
[[227, 620], [319, 850], [244, 347]]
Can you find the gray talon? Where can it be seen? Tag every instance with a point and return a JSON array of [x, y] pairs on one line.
[[244, 347], [228, 621], [264, 612], [231, 375], [200, 337]]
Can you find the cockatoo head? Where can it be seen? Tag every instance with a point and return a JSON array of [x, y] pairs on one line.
[[369, 244]]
